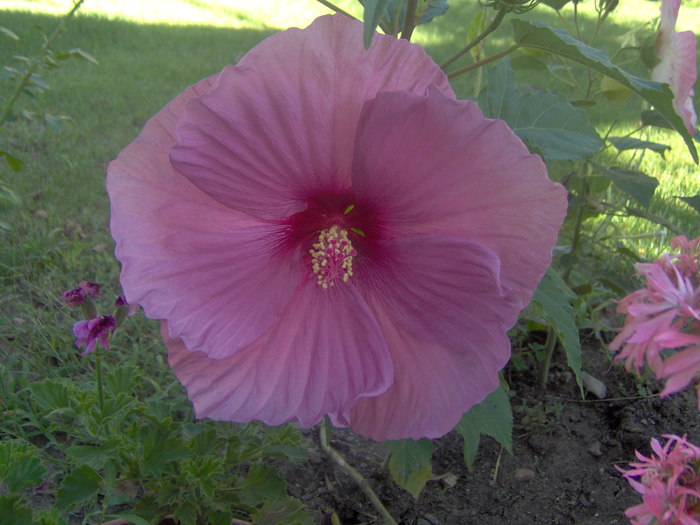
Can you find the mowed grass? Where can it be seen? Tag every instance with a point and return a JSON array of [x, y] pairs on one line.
[[148, 52]]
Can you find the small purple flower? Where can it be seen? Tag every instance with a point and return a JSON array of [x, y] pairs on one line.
[[74, 297], [91, 289], [94, 331]]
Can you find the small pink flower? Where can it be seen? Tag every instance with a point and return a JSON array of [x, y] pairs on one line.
[[91, 289], [669, 482], [665, 316], [85, 290], [328, 230], [92, 332], [74, 297], [677, 62]]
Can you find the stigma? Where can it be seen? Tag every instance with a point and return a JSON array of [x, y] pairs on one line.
[[331, 257]]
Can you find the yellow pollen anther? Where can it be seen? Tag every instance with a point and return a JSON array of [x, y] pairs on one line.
[[331, 257]]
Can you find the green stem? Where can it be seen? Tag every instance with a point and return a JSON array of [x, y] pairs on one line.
[[24, 81], [98, 374], [335, 8], [577, 229], [549, 346], [484, 61], [409, 23], [354, 474], [486, 32]]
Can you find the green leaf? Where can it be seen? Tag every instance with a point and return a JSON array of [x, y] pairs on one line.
[[544, 120], [541, 36], [372, 14], [94, 455], [493, 417], [693, 202], [552, 304], [410, 463], [78, 486], [287, 511], [8, 32], [634, 183], [262, 482], [52, 395], [130, 518], [13, 511], [79, 53], [625, 143], [20, 465], [10, 196], [14, 162], [161, 444]]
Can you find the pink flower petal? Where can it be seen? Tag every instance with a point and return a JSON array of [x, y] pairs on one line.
[[679, 370], [433, 385], [418, 154], [282, 122], [210, 271], [445, 316], [325, 354]]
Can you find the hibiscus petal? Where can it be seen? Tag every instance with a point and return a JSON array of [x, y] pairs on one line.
[[325, 354], [281, 124], [445, 315], [213, 273], [435, 164]]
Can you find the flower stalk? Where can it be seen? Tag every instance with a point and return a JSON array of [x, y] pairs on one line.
[[486, 32], [354, 474], [484, 61]]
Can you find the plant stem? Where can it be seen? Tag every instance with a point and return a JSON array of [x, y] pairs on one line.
[[335, 8], [486, 32], [549, 346], [409, 23], [98, 374], [24, 81], [484, 61], [355, 475]]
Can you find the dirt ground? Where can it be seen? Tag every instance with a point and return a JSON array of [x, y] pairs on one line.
[[561, 472]]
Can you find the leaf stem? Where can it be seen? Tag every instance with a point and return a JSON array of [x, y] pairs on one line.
[[335, 8], [354, 474], [409, 23], [549, 346], [484, 61], [486, 32]]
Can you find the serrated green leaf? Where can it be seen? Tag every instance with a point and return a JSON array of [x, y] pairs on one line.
[[52, 395], [626, 143], [492, 417], [544, 120], [542, 36], [13, 511], [20, 465], [374, 9], [634, 183], [94, 455], [78, 486], [651, 117], [161, 444], [552, 303], [262, 482], [410, 463], [693, 202], [287, 511]]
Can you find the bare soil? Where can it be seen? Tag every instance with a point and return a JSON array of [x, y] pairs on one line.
[[561, 472]]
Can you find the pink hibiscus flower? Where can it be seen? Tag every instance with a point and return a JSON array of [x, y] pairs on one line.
[[328, 230], [677, 62]]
